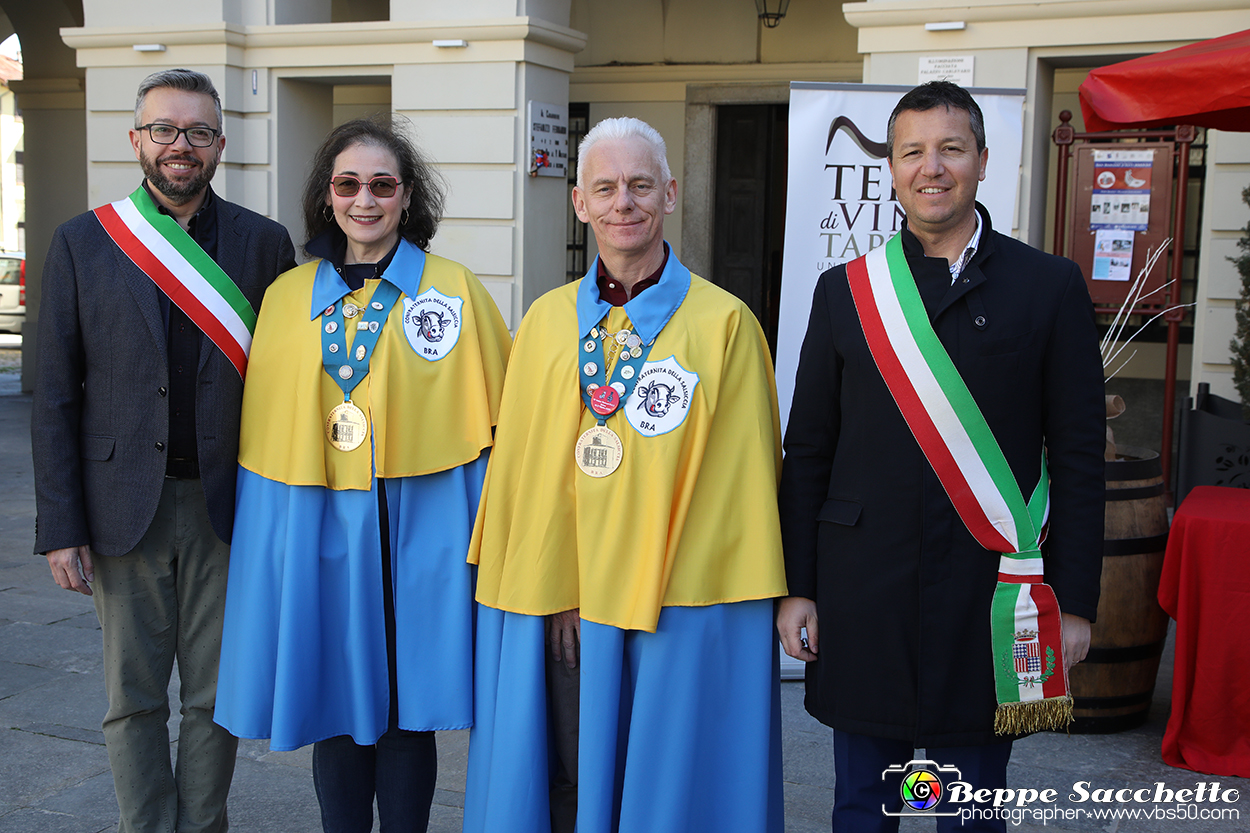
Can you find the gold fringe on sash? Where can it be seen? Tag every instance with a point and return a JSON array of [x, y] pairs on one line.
[[1033, 716]]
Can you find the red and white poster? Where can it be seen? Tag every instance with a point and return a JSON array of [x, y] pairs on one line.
[[1121, 195]]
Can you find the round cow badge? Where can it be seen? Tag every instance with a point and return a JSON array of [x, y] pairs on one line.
[[432, 323]]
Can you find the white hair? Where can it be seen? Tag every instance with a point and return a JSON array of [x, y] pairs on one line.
[[620, 129]]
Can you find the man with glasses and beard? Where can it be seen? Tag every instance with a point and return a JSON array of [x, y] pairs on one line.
[[144, 327]]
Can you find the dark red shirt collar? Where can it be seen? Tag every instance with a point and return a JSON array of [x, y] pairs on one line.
[[614, 292]]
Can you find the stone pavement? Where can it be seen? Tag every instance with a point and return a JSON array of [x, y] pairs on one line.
[[54, 774]]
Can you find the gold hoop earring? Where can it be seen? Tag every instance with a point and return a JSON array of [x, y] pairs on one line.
[[403, 218], [328, 213]]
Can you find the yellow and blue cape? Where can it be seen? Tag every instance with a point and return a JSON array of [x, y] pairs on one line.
[[304, 648]]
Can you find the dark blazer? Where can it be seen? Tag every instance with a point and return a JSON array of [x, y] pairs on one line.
[[901, 587], [100, 419]]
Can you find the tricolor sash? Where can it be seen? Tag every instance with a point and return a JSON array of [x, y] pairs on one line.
[[1029, 674], [164, 252]]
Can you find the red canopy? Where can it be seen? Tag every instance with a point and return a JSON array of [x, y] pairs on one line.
[[1205, 84]]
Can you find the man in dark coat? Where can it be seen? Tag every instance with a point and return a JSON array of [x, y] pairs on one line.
[[893, 589], [135, 430]]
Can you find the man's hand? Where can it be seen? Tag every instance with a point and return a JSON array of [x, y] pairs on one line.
[[564, 635], [793, 614], [72, 568], [1075, 639]]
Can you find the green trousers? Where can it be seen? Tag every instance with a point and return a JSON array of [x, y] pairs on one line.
[[162, 601]]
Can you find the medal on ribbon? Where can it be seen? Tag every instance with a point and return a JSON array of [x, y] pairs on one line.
[[347, 426], [599, 451]]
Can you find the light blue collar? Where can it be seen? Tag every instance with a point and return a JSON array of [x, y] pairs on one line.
[[403, 272], [648, 312]]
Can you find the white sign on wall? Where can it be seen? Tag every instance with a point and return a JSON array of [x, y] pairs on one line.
[[549, 139], [840, 202], [955, 68]]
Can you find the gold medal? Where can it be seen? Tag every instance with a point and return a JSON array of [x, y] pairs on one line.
[[347, 427], [598, 451]]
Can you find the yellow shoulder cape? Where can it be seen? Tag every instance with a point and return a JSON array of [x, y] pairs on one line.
[[689, 518], [425, 416]]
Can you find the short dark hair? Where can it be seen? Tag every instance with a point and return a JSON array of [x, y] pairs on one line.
[[187, 80], [938, 94], [425, 208]]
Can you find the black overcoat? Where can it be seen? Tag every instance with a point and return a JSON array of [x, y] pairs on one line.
[[100, 416], [901, 587]]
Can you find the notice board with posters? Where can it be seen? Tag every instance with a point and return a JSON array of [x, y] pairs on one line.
[[1122, 209]]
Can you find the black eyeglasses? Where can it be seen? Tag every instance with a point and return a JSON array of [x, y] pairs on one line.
[[167, 134], [379, 186]]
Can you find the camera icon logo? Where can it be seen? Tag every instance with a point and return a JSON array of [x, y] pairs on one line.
[[922, 787]]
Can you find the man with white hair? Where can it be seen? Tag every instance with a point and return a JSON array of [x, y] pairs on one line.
[[628, 557]]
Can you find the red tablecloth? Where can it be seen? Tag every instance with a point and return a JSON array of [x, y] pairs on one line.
[[1205, 587]]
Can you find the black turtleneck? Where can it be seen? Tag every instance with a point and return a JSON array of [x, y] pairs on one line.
[[331, 245]]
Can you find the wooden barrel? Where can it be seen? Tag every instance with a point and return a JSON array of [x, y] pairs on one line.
[[1112, 688]]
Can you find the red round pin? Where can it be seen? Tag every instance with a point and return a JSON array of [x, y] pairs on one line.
[[604, 400]]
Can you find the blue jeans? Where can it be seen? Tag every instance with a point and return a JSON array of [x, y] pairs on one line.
[[860, 791]]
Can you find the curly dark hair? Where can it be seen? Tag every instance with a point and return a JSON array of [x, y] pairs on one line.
[[425, 208]]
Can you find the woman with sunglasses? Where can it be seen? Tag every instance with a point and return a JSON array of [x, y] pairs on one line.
[[371, 395]]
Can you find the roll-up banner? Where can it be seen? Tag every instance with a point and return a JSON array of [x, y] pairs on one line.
[[839, 199]]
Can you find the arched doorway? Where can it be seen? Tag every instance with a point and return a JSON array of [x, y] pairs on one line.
[[50, 98]]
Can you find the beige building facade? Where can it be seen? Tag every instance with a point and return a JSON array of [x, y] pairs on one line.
[[706, 73], [12, 180]]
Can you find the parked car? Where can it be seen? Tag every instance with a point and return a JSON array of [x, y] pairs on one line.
[[12, 291]]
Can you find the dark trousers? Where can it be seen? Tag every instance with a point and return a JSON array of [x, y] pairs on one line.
[[160, 601], [400, 769], [860, 791], [564, 693]]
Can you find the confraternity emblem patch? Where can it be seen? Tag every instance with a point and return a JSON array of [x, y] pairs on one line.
[[662, 398], [432, 324]]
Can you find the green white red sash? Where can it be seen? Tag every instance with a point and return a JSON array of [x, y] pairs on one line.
[[164, 251], [1029, 673]]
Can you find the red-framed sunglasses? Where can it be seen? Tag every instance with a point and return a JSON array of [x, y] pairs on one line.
[[379, 186]]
